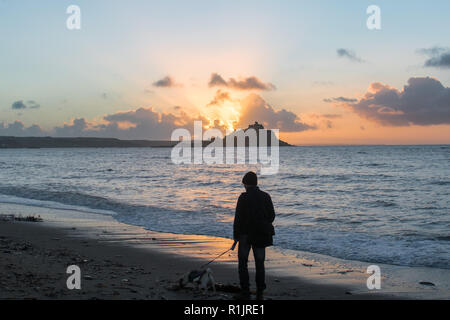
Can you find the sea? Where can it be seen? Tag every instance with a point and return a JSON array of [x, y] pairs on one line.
[[375, 204]]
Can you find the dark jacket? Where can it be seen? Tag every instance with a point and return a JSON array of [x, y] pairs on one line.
[[254, 217]]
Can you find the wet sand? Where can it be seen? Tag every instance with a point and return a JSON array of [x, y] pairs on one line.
[[35, 256]]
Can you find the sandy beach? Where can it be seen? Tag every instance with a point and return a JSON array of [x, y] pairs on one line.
[[122, 261], [35, 256]]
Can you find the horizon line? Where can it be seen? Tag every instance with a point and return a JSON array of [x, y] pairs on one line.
[[291, 145]]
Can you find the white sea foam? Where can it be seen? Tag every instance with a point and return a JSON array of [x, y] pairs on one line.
[[51, 205]]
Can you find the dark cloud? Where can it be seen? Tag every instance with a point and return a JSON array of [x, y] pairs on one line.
[[438, 57], [423, 101], [442, 61], [217, 80], [249, 83], [220, 98], [348, 54], [20, 105], [166, 82], [339, 99], [254, 108]]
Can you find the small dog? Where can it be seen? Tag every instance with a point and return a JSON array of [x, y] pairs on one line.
[[202, 279]]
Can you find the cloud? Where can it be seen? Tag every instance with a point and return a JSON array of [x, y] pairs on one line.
[[432, 51], [331, 116], [217, 124], [143, 123], [149, 124], [443, 61], [217, 80], [18, 129], [220, 98], [249, 83], [76, 129], [339, 99], [33, 105], [438, 57], [324, 119], [20, 105], [350, 55], [166, 82], [423, 101], [254, 108]]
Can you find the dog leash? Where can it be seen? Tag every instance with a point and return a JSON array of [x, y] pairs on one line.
[[231, 249], [214, 259]]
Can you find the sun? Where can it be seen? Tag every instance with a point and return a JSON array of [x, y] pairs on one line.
[[223, 117]]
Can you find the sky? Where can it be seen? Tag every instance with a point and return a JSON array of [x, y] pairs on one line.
[[312, 69]]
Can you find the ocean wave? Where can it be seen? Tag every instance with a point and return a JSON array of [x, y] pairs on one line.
[[65, 197], [412, 250], [150, 217], [382, 203], [51, 205], [427, 208], [440, 183], [325, 219], [393, 250], [297, 176]]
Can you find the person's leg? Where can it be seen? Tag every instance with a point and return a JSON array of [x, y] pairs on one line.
[[243, 252], [260, 256]]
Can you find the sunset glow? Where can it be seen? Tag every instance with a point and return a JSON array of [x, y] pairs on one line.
[[276, 64]]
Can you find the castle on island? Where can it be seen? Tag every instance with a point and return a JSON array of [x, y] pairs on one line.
[[257, 126]]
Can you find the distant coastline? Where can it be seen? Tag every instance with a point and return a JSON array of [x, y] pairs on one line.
[[10, 142], [51, 142]]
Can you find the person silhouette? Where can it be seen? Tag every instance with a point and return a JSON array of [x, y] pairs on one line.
[[253, 229]]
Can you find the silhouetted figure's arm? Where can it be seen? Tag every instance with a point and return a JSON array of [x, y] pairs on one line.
[[270, 209], [238, 217]]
